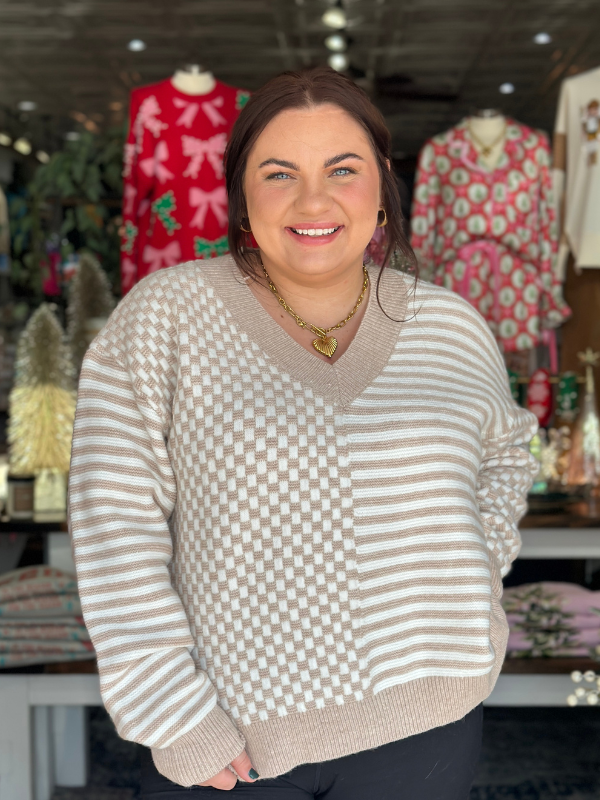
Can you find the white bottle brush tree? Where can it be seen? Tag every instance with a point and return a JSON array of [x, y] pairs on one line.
[[42, 402]]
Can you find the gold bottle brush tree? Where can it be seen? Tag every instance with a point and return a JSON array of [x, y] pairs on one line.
[[42, 410]]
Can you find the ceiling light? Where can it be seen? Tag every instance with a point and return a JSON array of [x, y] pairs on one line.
[[27, 105], [506, 88], [338, 61], [336, 43], [72, 136], [116, 105], [136, 46], [42, 156], [335, 18], [542, 38], [5, 140], [22, 146]]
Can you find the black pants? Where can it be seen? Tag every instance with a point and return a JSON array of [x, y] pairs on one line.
[[436, 765]]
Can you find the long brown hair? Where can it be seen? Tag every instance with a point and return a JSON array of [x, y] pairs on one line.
[[308, 87]]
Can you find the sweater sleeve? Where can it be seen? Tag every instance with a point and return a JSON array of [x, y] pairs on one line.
[[122, 493], [507, 469]]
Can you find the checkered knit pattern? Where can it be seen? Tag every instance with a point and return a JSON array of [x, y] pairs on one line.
[[300, 558]]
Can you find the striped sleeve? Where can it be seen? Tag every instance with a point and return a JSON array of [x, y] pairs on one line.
[[122, 492], [507, 469]]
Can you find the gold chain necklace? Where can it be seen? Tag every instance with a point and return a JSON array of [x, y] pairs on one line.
[[486, 149], [326, 345]]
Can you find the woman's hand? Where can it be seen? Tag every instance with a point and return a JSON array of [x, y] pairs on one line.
[[227, 780]]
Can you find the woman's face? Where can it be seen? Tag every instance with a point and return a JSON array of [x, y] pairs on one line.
[[312, 170]]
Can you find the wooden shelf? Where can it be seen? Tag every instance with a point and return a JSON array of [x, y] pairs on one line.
[[548, 666]]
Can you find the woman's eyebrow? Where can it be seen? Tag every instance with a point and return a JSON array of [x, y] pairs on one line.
[[290, 164], [279, 163], [342, 157]]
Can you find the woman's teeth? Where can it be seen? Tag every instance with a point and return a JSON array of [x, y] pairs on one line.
[[316, 231]]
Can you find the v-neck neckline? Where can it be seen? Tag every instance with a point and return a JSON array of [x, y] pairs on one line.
[[355, 369]]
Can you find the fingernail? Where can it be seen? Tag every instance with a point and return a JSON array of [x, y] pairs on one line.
[[253, 774]]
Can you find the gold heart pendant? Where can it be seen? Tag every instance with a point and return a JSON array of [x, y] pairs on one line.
[[327, 346]]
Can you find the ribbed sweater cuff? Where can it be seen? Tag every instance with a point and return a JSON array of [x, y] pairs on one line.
[[202, 752]]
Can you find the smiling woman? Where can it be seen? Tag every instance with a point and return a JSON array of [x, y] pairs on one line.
[[308, 175], [292, 510]]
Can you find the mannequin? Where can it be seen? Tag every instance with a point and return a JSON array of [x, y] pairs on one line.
[[472, 225], [193, 80], [174, 198], [488, 128]]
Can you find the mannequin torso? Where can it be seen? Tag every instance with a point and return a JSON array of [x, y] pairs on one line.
[[488, 131], [193, 81]]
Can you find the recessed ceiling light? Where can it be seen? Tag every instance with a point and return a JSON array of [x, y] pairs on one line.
[[22, 146], [115, 105], [42, 156], [542, 38], [5, 140], [72, 136], [336, 42], [27, 105], [506, 88], [338, 61], [136, 46], [335, 18]]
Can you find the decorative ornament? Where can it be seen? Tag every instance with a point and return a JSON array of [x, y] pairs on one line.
[[584, 468], [590, 693], [42, 402], [554, 444], [539, 396], [90, 302], [566, 401], [513, 382]]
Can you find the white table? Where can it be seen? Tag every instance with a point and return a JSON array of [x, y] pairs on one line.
[[37, 738]]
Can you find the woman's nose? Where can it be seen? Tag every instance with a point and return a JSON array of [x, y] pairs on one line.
[[313, 198]]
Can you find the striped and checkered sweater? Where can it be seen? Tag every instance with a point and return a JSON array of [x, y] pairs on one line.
[[273, 552]]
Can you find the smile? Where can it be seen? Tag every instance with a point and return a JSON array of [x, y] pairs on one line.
[[316, 231]]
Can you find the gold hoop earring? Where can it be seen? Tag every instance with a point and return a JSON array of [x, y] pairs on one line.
[[244, 229], [385, 219]]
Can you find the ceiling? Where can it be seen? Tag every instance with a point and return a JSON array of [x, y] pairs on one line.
[[425, 62]]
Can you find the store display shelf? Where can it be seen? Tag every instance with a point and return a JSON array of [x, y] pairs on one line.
[[548, 666]]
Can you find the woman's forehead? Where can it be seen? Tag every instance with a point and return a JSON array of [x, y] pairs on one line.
[[324, 127]]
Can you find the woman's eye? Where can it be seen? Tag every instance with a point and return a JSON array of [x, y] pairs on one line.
[[278, 176], [343, 171]]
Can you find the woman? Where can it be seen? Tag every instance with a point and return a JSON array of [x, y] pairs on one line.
[[295, 487]]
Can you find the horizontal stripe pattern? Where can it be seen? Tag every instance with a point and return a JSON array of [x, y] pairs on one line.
[[440, 469]]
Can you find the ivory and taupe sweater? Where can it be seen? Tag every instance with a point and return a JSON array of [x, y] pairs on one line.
[[273, 552]]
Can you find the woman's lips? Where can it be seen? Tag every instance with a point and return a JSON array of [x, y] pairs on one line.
[[314, 235]]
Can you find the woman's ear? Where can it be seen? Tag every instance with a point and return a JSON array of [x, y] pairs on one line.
[[389, 166]]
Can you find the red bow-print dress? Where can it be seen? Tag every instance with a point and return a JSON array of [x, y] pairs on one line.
[[174, 198], [490, 235]]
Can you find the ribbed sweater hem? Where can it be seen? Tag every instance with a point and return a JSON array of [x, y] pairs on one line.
[[278, 745]]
